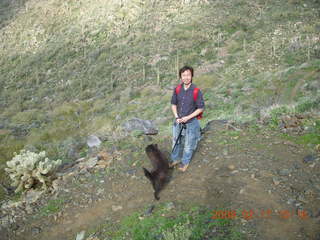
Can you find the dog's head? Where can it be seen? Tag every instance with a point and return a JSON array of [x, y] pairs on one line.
[[151, 148]]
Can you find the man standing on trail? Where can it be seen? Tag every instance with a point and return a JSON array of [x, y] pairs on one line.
[[187, 107]]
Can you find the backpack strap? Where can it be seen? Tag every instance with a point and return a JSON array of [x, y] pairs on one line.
[[195, 91], [195, 96], [178, 88]]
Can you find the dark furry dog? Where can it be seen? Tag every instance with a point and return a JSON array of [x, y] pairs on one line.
[[159, 173]]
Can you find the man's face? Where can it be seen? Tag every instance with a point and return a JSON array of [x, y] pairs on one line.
[[186, 77]]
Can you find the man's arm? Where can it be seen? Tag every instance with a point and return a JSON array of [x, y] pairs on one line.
[[174, 110], [192, 115]]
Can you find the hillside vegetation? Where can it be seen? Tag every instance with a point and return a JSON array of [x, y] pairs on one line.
[[71, 68]]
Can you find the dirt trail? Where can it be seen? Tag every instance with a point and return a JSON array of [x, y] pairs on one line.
[[259, 176]]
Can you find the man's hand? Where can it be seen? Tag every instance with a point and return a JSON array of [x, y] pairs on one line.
[[187, 118], [182, 120]]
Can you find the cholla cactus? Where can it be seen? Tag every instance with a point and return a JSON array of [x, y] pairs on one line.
[[29, 168]]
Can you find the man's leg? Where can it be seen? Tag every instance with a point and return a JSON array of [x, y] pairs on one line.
[[177, 151], [191, 141]]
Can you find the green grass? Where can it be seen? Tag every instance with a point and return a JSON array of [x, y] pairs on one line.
[[188, 220], [53, 206], [311, 138], [305, 139]]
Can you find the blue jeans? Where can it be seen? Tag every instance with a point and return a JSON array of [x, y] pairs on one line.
[[187, 143]]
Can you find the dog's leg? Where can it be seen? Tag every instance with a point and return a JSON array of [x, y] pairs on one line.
[[147, 174], [156, 195], [157, 186], [154, 183]]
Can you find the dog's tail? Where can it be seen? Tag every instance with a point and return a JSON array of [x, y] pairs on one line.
[[147, 174]]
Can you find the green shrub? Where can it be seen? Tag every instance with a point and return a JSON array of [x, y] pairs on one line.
[[308, 104], [180, 231]]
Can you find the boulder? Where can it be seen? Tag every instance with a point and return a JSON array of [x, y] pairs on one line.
[[93, 141], [136, 124]]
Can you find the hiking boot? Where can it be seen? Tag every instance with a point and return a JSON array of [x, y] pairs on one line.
[[173, 164], [183, 168]]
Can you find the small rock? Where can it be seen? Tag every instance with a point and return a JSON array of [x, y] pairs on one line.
[[29, 209], [296, 166], [244, 169], [276, 181], [231, 167], [35, 230], [57, 185], [309, 192], [93, 238], [102, 164], [205, 161], [257, 174], [297, 204], [148, 212], [116, 208], [309, 159], [90, 163], [83, 171], [93, 141], [243, 221], [312, 165], [80, 160], [284, 172], [100, 191], [290, 201], [80, 235], [32, 196], [169, 206], [131, 171], [203, 51], [301, 198]]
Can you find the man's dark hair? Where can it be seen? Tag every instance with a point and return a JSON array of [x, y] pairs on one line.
[[185, 68]]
